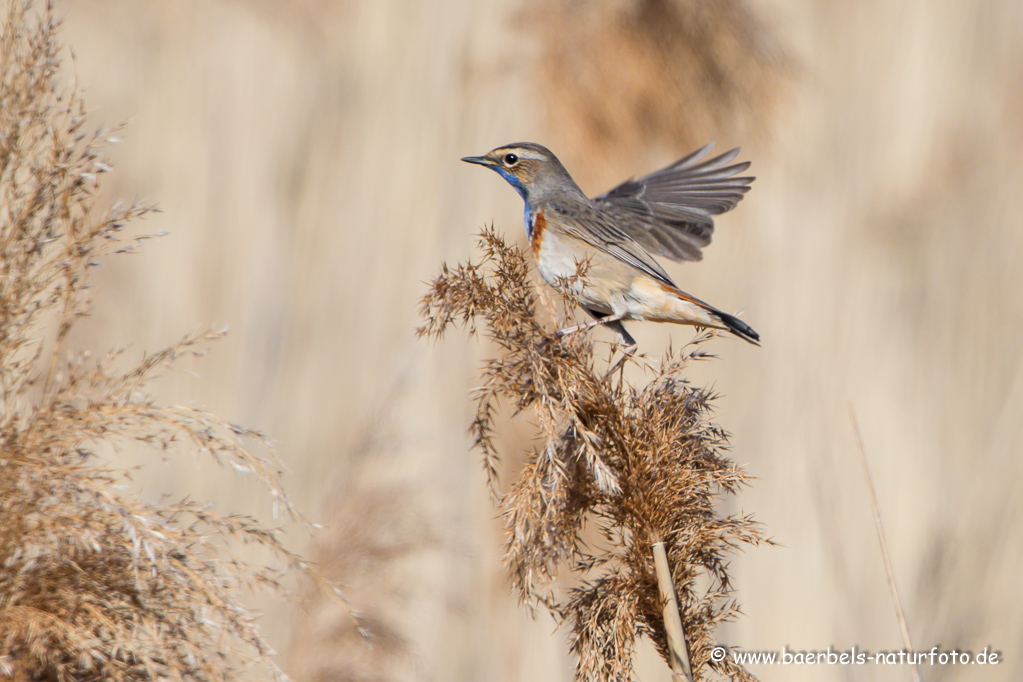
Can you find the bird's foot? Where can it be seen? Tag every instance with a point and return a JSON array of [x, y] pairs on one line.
[[593, 323]]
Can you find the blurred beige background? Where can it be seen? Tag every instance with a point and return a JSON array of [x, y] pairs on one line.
[[305, 155]]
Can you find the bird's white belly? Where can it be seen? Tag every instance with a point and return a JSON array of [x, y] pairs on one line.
[[558, 258], [605, 285], [612, 287]]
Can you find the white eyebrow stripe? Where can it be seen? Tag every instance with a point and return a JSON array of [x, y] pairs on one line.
[[523, 153]]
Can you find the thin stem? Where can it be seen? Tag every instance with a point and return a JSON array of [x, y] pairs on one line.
[[677, 647], [900, 614]]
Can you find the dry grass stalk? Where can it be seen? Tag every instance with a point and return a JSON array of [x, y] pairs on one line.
[[678, 651], [636, 464], [882, 539], [95, 584]]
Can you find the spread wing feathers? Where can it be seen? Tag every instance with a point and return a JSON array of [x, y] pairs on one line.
[[584, 221], [669, 211]]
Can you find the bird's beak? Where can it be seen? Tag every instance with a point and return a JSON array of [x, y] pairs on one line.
[[481, 160]]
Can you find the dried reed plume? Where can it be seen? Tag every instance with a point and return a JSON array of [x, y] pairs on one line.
[[682, 72], [639, 465], [95, 584]]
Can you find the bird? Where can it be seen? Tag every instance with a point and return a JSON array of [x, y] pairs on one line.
[[666, 213]]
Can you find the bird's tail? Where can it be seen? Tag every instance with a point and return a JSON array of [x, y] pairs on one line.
[[737, 326], [719, 319]]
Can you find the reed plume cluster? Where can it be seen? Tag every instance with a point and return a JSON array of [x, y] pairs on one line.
[[615, 469], [96, 584]]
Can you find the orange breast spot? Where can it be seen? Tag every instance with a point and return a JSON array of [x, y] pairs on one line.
[[539, 225]]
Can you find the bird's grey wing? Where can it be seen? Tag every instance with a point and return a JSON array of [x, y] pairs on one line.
[[669, 211], [584, 221]]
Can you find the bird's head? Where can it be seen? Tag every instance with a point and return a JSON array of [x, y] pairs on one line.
[[530, 168]]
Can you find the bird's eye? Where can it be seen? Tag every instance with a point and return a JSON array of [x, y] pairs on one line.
[[510, 159]]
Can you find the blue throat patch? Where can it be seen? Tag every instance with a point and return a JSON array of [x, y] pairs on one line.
[[513, 181], [521, 189]]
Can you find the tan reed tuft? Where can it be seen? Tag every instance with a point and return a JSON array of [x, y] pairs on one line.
[[617, 467], [96, 583]]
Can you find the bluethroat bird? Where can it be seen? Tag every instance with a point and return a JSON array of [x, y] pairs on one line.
[[667, 213]]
